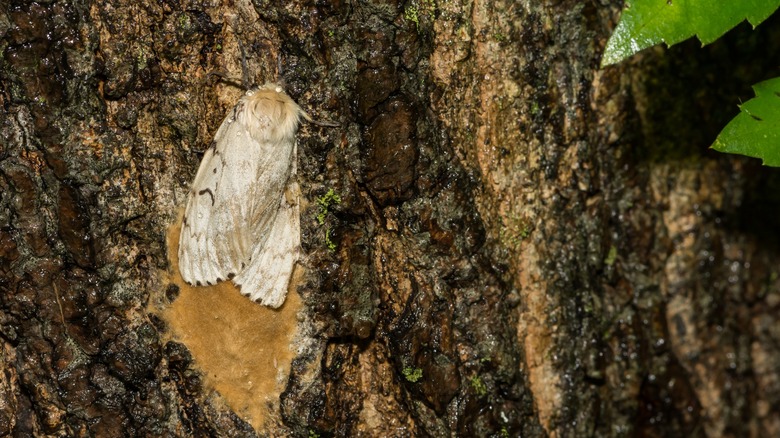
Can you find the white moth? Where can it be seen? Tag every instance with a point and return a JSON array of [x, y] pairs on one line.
[[242, 220]]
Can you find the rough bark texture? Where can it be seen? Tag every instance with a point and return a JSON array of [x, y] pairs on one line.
[[525, 245]]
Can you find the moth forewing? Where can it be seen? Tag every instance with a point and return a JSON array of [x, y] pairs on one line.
[[241, 221]]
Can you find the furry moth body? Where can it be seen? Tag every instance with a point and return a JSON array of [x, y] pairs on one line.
[[242, 220]]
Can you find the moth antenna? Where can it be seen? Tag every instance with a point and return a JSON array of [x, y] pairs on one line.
[[244, 69], [323, 123], [304, 114], [280, 76], [225, 77]]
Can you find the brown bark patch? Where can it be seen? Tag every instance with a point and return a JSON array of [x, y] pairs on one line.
[[243, 348], [74, 227], [391, 154]]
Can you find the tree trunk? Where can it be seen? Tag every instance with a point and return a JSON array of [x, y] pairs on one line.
[[520, 244]]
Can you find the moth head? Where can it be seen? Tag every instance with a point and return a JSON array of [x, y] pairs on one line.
[[270, 115], [268, 86]]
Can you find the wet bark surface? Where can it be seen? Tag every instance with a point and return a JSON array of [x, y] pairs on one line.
[[523, 244]]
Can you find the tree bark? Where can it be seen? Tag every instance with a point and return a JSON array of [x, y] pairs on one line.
[[523, 244]]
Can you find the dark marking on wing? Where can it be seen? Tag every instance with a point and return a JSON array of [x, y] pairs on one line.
[[238, 109], [231, 275], [221, 156], [213, 145], [215, 170], [233, 114], [197, 283], [184, 222], [204, 191]]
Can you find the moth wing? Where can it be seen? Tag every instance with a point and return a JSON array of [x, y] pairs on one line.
[[229, 204], [197, 261], [267, 276]]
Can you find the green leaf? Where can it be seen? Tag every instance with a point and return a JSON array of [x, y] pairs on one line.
[[755, 132], [645, 23]]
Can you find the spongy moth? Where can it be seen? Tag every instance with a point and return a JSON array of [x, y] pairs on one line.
[[242, 220]]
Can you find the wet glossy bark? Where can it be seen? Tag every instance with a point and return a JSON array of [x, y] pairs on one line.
[[524, 244]]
